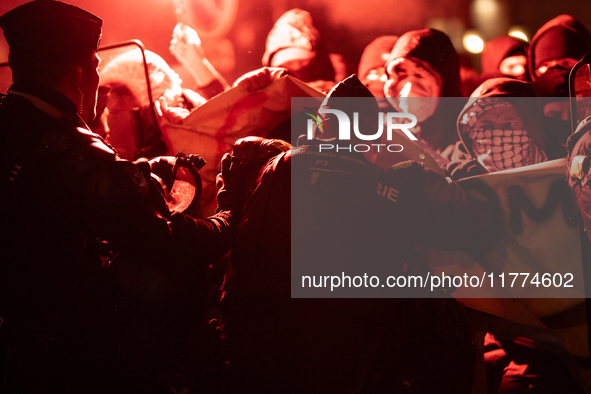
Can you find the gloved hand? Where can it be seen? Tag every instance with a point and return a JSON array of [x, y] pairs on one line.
[[240, 170], [463, 169], [162, 167], [157, 189], [261, 78], [253, 153], [250, 149], [230, 184]]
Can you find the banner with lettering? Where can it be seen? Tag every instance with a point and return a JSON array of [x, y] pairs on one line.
[[535, 273]]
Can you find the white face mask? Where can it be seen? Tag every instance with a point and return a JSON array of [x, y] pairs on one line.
[[413, 87], [514, 66]]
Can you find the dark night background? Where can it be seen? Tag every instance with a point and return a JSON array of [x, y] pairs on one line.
[[347, 26]]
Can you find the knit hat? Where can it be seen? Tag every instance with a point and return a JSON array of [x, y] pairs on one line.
[[434, 48], [294, 29], [561, 37]]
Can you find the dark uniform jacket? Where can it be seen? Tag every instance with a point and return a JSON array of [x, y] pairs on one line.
[[315, 208], [70, 316]]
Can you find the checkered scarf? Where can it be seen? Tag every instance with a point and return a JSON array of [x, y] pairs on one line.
[[498, 149]]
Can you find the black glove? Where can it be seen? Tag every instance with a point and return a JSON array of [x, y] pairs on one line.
[[240, 170], [463, 169], [162, 167], [157, 192], [230, 184], [250, 149], [254, 153]]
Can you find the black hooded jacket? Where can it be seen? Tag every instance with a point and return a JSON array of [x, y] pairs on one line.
[[496, 51], [561, 37], [522, 96], [435, 48], [523, 100]]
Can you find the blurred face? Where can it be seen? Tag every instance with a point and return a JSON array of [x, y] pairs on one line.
[[513, 65], [564, 63], [173, 94], [375, 80], [425, 81], [500, 142], [165, 82], [298, 61], [413, 79], [90, 82], [296, 65]]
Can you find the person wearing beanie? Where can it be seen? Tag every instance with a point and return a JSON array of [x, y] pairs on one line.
[[553, 51], [499, 128], [424, 66], [294, 43], [505, 56], [372, 65]]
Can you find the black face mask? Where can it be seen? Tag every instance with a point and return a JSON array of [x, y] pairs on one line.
[[553, 83]]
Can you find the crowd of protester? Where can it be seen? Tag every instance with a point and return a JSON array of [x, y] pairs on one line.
[[105, 288]]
